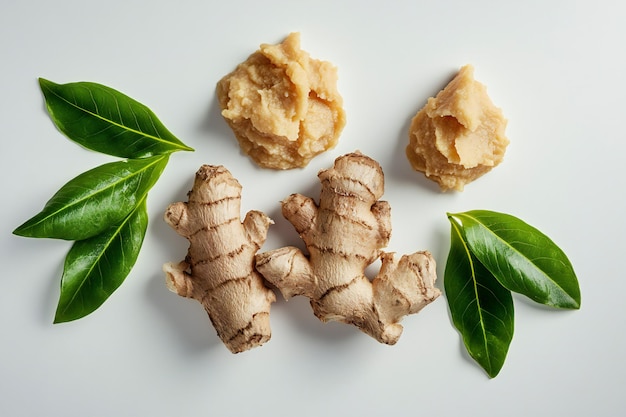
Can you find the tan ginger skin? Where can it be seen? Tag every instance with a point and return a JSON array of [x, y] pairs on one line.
[[219, 268], [343, 235]]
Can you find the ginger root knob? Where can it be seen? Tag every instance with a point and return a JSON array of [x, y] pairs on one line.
[[219, 268], [343, 235]]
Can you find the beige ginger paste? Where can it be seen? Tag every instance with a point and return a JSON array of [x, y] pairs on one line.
[[459, 135], [282, 105]]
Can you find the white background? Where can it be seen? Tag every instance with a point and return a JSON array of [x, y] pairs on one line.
[[557, 69]]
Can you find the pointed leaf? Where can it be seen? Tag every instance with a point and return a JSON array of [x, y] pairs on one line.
[[96, 267], [104, 120], [481, 308], [521, 257], [93, 201]]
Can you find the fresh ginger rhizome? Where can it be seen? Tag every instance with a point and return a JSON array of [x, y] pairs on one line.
[[344, 233]]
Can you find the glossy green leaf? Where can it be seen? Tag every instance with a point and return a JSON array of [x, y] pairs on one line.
[[522, 258], [481, 308], [93, 201], [104, 120], [96, 267]]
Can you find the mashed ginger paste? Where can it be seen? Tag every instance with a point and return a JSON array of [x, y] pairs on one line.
[[459, 135], [282, 105]]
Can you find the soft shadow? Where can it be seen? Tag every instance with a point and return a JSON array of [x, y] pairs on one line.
[[401, 170], [441, 247], [48, 304], [163, 233], [186, 317], [299, 312], [282, 232], [214, 126], [189, 323]]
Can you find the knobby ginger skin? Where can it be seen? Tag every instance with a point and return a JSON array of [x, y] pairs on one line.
[[282, 105], [459, 135], [219, 268], [344, 234]]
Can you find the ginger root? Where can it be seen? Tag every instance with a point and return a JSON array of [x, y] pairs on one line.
[[219, 268], [343, 235]]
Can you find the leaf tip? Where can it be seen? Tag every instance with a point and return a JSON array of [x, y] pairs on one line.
[[22, 231], [491, 369], [44, 82], [185, 148], [454, 218], [63, 315], [59, 317], [494, 371]]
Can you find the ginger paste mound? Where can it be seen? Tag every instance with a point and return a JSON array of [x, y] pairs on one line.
[[282, 105], [459, 135]]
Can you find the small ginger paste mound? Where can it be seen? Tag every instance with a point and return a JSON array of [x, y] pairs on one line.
[[282, 105], [459, 135]]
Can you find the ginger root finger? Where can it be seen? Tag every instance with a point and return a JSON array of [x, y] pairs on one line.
[[343, 235], [219, 268], [290, 271]]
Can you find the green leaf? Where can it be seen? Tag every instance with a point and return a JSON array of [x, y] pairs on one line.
[[521, 257], [481, 308], [104, 120], [93, 201], [96, 267]]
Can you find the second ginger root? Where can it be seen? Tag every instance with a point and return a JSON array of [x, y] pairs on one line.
[[344, 234]]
